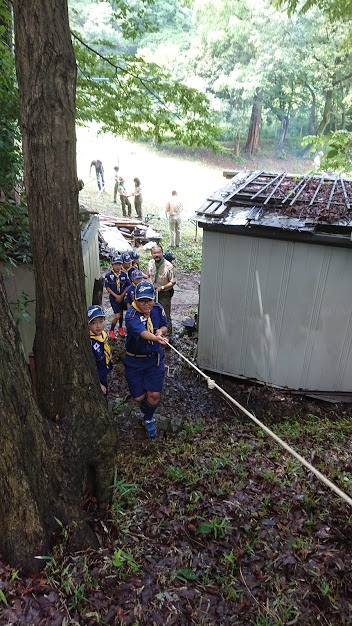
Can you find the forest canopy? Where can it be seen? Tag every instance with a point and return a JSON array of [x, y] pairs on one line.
[[287, 67], [256, 75]]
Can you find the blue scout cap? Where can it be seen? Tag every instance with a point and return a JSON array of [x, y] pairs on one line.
[[116, 259], [126, 257], [134, 255], [144, 289], [136, 274], [93, 312]]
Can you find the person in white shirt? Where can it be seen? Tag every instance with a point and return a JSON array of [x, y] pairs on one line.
[[161, 275], [173, 210]]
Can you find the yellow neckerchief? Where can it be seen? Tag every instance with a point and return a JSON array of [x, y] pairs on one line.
[[102, 339], [150, 326], [117, 279]]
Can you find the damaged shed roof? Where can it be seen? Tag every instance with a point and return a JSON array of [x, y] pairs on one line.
[[312, 207]]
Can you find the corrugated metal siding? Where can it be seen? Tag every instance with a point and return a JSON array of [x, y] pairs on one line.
[[276, 311], [21, 279], [18, 280], [90, 252]]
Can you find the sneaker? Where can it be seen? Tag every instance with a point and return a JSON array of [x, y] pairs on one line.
[[112, 334], [150, 428], [122, 332]]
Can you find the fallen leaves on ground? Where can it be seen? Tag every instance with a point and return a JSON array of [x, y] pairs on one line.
[[213, 523]]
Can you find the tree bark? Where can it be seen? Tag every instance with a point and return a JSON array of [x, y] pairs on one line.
[[284, 120], [252, 143], [84, 442], [329, 95], [26, 507], [312, 115], [237, 138]]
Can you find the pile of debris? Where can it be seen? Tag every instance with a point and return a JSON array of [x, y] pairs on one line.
[[117, 234]]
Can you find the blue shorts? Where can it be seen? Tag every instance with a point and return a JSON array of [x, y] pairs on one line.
[[144, 374], [116, 306]]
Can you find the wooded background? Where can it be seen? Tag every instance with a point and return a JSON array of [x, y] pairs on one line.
[[271, 79], [191, 73]]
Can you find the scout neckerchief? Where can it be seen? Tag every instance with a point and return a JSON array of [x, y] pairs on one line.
[[117, 280], [157, 268], [150, 326], [102, 339]]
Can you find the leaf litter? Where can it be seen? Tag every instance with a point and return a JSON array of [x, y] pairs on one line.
[[213, 523]]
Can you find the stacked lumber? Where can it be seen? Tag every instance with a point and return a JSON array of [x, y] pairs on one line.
[[125, 225]]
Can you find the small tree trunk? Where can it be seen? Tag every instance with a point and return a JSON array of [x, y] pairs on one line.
[[252, 143], [312, 121], [327, 111], [237, 143], [284, 120]]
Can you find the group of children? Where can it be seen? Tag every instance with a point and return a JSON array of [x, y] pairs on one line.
[[146, 326], [120, 283]]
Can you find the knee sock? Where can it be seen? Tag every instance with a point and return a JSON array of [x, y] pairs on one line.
[[147, 409], [120, 322]]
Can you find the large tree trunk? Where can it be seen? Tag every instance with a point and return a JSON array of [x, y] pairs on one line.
[[252, 143], [26, 508], [68, 390]]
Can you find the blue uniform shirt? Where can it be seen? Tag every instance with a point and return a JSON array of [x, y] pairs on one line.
[[129, 295], [117, 283], [136, 323], [102, 355]]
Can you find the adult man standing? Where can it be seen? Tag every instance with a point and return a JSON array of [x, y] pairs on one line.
[[174, 209], [161, 274], [116, 170], [124, 197], [99, 172]]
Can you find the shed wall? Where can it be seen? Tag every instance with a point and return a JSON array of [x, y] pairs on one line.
[[276, 311], [90, 252], [20, 280]]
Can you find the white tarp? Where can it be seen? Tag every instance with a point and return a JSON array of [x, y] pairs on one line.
[[115, 240]]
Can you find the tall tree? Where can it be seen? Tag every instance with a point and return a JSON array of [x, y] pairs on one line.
[[71, 418], [252, 142]]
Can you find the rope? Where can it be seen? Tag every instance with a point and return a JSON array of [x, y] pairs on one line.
[[212, 385]]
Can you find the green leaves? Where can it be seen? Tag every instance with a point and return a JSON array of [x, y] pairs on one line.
[[186, 574], [3, 597], [138, 100], [14, 233], [336, 9], [215, 527], [337, 147], [121, 559]]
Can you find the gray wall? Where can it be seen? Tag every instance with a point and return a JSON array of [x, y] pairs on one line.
[[276, 311], [20, 279]]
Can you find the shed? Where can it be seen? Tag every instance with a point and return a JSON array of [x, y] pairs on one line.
[[19, 281], [276, 286]]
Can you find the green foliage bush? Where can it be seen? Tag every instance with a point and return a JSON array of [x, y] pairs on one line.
[[14, 233]]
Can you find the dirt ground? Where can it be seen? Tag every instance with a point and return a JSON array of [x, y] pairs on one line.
[[182, 383]]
